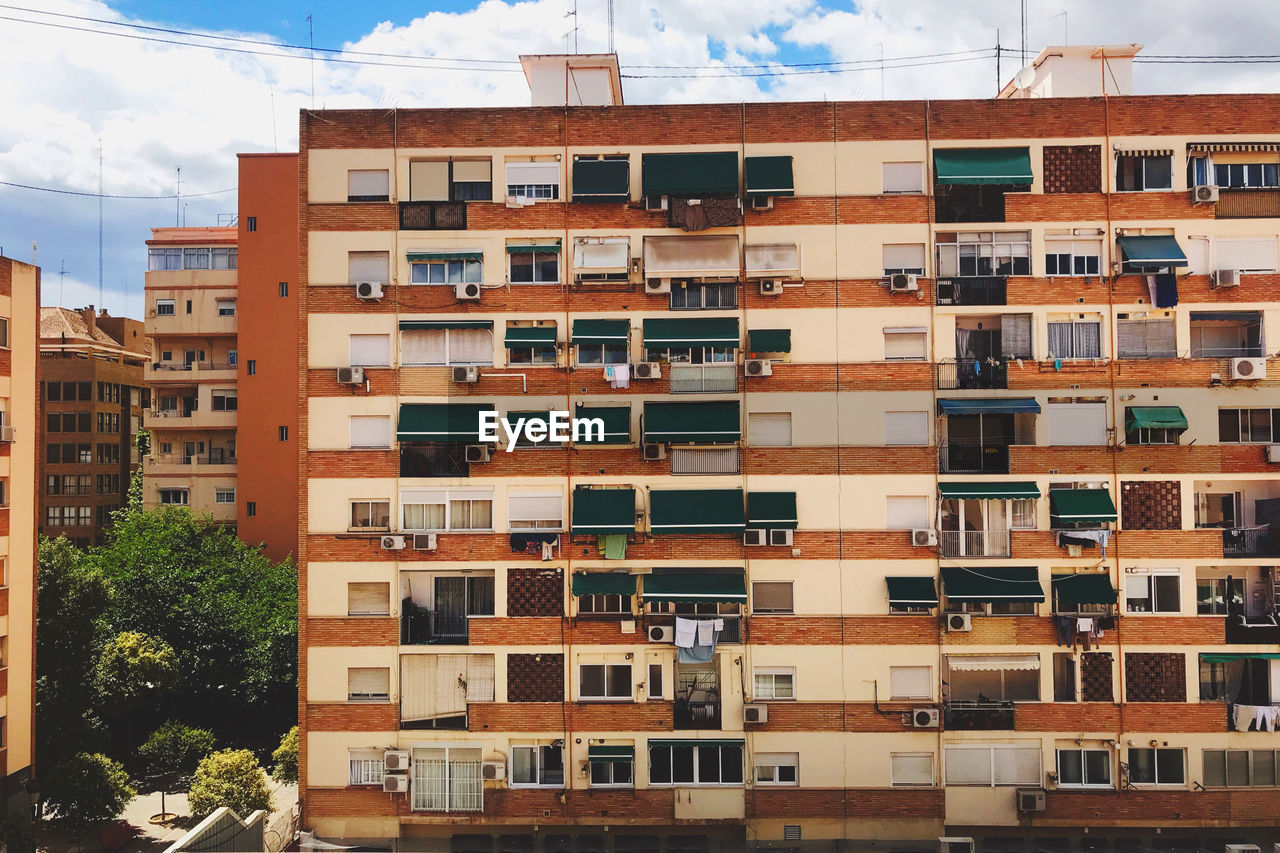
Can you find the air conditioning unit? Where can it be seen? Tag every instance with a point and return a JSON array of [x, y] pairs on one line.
[[1248, 368], [478, 452], [467, 292], [395, 760], [903, 283], [771, 287], [657, 285], [762, 202], [655, 202], [662, 634], [754, 537], [1030, 800], [959, 623], [1204, 194], [369, 289], [350, 375], [925, 718], [492, 771], [654, 452], [758, 367], [924, 537], [466, 375], [780, 536], [393, 543], [1226, 278], [424, 541], [955, 844], [6, 434], [395, 784], [1273, 452], [647, 370], [755, 713]]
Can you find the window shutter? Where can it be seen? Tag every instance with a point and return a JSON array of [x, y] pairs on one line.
[[368, 599], [769, 429], [368, 681], [429, 181], [1146, 338], [910, 682], [533, 173], [370, 350], [535, 508], [1077, 424], [906, 428], [1255, 255], [911, 769], [472, 171], [968, 766], [903, 177], [368, 266], [470, 346], [370, 431], [367, 182], [1015, 336], [1017, 765], [422, 346], [905, 343], [906, 512], [771, 595], [902, 256]]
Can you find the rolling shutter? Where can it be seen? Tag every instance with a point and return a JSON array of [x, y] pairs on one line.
[[1077, 424], [1255, 255], [1146, 339], [368, 599], [1015, 336]]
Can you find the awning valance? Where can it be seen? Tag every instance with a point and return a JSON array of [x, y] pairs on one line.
[[989, 406], [690, 173], [1084, 588], [1243, 317], [530, 336], [440, 421], [992, 584], [696, 511], [427, 325], [914, 592], [769, 175], [776, 510], [1080, 506], [603, 583], [522, 248], [696, 586], [989, 490], [596, 332], [992, 663], [1143, 152], [602, 180], [968, 166], [772, 260], [446, 255], [696, 423], [602, 255], [1150, 251], [670, 742], [769, 340], [617, 422], [1154, 417], [690, 332], [612, 754], [1212, 147], [1231, 657], [603, 512], [694, 257]]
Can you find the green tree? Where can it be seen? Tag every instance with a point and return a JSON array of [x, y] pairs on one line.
[[286, 757], [134, 670], [175, 749], [86, 790], [231, 778]]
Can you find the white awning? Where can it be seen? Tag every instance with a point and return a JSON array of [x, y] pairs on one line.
[[992, 663], [772, 259], [602, 254], [679, 257]]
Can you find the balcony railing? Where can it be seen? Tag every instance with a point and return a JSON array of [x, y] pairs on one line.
[[434, 459], [1247, 203], [1249, 542], [1240, 632], [423, 627], [975, 290], [172, 413], [1228, 352], [433, 215], [696, 715], [974, 543], [979, 716], [972, 373], [971, 457], [694, 378]]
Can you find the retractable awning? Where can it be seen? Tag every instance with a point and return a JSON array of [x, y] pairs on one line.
[[769, 175], [596, 332], [694, 585], [690, 332], [990, 585], [670, 742], [440, 421], [612, 754], [1080, 506], [1230, 657], [617, 423], [521, 248], [771, 260], [692, 512], [530, 336], [704, 256], [989, 491], [1154, 417], [992, 663], [427, 325], [775, 510], [602, 180], [769, 340], [989, 406], [603, 512], [1150, 251], [692, 423], [1084, 588], [690, 173], [446, 255], [603, 583], [913, 592], [1212, 147], [973, 166]]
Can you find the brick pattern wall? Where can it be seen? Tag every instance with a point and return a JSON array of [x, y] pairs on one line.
[[535, 592], [1151, 505], [1096, 677], [535, 678], [1155, 677], [1072, 168]]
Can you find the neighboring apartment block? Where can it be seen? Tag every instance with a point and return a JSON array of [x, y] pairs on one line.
[[91, 403], [936, 494]]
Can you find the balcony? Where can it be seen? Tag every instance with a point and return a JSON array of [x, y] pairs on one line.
[[188, 419], [974, 543], [422, 627], [434, 459], [703, 378], [975, 290], [692, 714], [971, 457], [433, 215], [1240, 632], [176, 371], [978, 716], [1249, 542], [972, 374], [180, 464], [1247, 204]]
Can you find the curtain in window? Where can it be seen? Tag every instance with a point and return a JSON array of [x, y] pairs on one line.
[[1087, 340], [1015, 336]]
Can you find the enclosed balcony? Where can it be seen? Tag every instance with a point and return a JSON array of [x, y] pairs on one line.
[[977, 433], [1247, 512], [433, 215], [978, 290], [435, 608], [980, 690], [1227, 334], [697, 699]]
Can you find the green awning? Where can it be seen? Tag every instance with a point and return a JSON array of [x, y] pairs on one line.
[[691, 173], [604, 583], [520, 248], [596, 332], [1231, 657], [446, 255], [1150, 251], [670, 742], [612, 754], [1154, 417], [989, 406], [425, 325], [603, 512], [1084, 588], [1080, 506], [602, 180], [530, 336], [769, 175], [617, 422], [440, 421], [969, 166], [769, 340], [696, 511], [993, 584], [697, 586], [686, 332], [915, 592], [989, 491], [696, 423], [773, 510]]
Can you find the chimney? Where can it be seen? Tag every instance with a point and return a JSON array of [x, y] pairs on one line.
[[90, 317]]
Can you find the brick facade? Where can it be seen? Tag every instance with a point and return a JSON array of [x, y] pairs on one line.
[[1151, 505], [1155, 677], [535, 678]]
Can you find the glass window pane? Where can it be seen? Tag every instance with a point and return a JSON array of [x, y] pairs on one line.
[[1264, 767], [1097, 767], [731, 764], [1070, 767], [1237, 768], [1169, 767], [708, 764], [1215, 768], [592, 680], [682, 764], [659, 764]]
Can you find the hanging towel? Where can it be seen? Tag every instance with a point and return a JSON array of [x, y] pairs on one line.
[[686, 632], [608, 372], [1057, 364], [613, 546], [1166, 290], [719, 623], [548, 552], [706, 632], [1084, 626], [621, 375], [1273, 717], [1242, 716], [1262, 717]]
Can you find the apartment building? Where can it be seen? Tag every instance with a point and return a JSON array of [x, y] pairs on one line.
[[20, 437], [934, 495], [91, 403]]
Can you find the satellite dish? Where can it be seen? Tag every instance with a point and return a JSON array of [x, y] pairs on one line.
[[1024, 77]]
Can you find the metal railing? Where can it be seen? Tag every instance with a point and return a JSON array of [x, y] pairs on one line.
[[704, 460], [973, 290], [689, 714], [172, 413], [971, 457], [979, 716], [965, 373], [694, 378], [433, 215], [1227, 352], [1249, 542], [428, 627], [974, 543]]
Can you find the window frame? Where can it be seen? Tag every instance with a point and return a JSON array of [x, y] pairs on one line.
[[776, 676], [919, 169], [1157, 766], [470, 272], [695, 761], [778, 762], [701, 288], [606, 677], [611, 767], [166, 308], [369, 197], [1084, 769], [535, 274], [369, 503], [1149, 574], [1141, 174], [538, 765], [933, 770], [756, 611]]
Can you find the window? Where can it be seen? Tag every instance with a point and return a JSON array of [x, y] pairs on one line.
[[1157, 767], [604, 603], [366, 598], [902, 177], [535, 267], [605, 681], [983, 253], [911, 769], [1214, 596], [446, 346], [368, 266], [226, 307], [224, 495], [1073, 257], [368, 185], [445, 180], [223, 400], [251, 508], [1022, 513], [284, 289], [910, 682], [697, 296], [769, 429], [537, 180], [1075, 339], [1238, 768], [366, 767], [1248, 255], [531, 355], [772, 597], [447, 271], [535, 512], [1249, 426], [537, 765], [251, 367], [370, 515], [173, 497], [223, 258], [164, 259], [164, 308], [1135, 172], [1152, 591], [4, 332], [53, 391], [989, 766], [676, 763], [612, 774], [777, 768], [370, 431], [251, 223], [1146, 339], [1077, 424], [1084, 768], [447, 510], [906, 429], [905, 344], [189, 311], [775, 682], [700, 355], [903, 258], [368, 684], [282, 433], [233, 357], [370, 350], [590, 355], [906, 512], [1246, 175]]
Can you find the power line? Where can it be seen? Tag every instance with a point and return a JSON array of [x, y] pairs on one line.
[[793, 73], [109, 195]]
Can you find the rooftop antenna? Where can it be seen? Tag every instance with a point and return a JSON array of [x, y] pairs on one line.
[[1066, 40], [311, 41], [99, 228], [1024, 32], [573, 31], [611, 26], [62, 273], [177, 211], [35, 251], [275, 142], [882, 71]]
